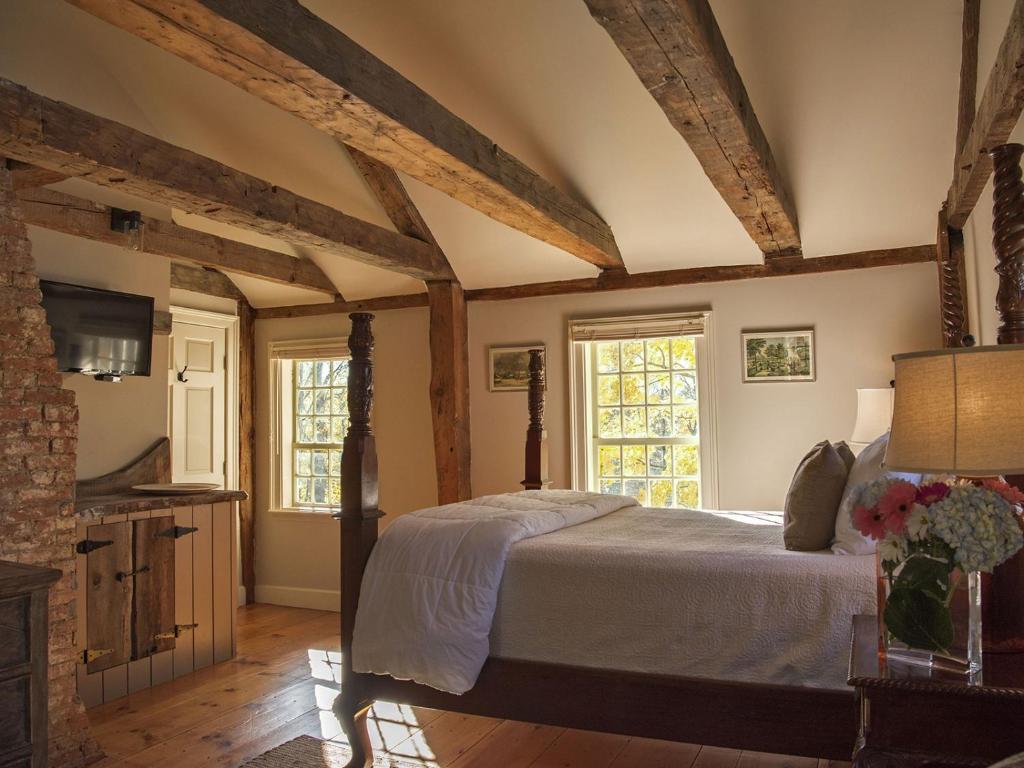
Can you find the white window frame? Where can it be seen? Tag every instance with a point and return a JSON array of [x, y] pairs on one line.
[[281, 356], [582, 389]]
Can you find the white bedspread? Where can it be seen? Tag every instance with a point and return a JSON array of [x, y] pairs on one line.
[[430, 588], [683, 593]]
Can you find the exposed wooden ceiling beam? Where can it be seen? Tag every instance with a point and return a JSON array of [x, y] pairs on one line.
[[76, 216], [968, 71], [677, 50], [202, 280], [62, 138], [284, 54], [619, 281], [1001, 105], [25, 176]]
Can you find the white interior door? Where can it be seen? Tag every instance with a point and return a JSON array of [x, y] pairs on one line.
[[198, 394]]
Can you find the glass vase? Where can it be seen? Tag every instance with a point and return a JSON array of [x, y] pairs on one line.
[[962, 654]]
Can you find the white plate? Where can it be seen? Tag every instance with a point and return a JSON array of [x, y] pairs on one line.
[[175, 489]]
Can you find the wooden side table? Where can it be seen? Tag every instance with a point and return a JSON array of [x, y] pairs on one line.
[[916, 716], [24, 596]]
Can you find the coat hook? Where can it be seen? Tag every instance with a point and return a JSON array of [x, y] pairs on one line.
[[181, 375]]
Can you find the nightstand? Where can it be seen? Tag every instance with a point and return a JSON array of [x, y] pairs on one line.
[[916, 716]]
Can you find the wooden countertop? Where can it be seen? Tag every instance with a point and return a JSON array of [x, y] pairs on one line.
[[132, 501]]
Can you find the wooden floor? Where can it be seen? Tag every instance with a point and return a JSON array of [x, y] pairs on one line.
[[283, 682]]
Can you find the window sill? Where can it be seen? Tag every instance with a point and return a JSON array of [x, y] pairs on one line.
[[306, 513]]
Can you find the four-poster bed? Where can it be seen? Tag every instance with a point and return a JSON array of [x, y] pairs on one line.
[[789, 719]]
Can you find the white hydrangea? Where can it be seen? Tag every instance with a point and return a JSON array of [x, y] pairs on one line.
[[979, 525]]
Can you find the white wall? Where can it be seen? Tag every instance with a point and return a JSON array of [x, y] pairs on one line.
[[861, 318], [116, 421], [297, 554]]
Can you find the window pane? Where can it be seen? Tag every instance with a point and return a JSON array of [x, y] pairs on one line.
[[339, 375], [320, 463], [322, 402], [303, 463], [303, 493], [687, 494], [609, 461], [608, 357], [634, 423], [633, 389], [339, 406], [634, 460], [320, 488], [335, 462], [334, 491], [687, 460], [637, 489], [659, 389], [304, 402], [608, 390], [305, 429], [322, 430], [305, 374], [659, 460], [659, 422], [684, 387], [339, 425], [632, 355], [658, 354], [684, 352], [323, 373], [661, 493], [685, 417], [611, 486], [609, 422]]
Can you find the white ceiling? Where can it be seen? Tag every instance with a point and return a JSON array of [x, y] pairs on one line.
[[857, 99]]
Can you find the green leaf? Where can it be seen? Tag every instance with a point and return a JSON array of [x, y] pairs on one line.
[[920, 572], [919, 619]]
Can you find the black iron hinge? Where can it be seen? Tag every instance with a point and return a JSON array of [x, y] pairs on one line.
[[177, 532], [86, 546]]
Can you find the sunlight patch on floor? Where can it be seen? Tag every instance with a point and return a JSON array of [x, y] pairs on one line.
[[325, 665]]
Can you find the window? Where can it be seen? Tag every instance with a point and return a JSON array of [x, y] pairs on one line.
[[642, 416], [310, 414]]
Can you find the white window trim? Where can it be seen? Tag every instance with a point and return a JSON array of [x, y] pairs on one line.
[[280, 432], [581, 413]]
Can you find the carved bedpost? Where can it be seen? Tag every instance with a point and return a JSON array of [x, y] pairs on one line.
[[536, 435], [1002, 607], [359, 516], [952, 282], [1008, 241]]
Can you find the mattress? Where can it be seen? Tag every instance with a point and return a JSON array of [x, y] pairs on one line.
[[683, 593]]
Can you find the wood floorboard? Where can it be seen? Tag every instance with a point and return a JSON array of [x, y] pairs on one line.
[[282, 685]]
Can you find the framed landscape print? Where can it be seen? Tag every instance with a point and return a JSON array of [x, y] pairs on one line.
[[510, 368], [778, 356]]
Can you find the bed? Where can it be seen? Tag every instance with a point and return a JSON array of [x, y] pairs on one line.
[[689, 646]]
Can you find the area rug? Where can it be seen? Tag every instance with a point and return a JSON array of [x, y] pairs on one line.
[[303, 752]]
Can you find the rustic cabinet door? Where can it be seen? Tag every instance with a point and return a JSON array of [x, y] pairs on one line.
[[109, 596], [153, 629]]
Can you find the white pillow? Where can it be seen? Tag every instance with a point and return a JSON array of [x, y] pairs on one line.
[[867, 468]]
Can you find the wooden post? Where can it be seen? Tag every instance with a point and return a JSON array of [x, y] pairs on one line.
[[247, 444], [1002, 603], [536, 435], [449, 390], [359, 516]]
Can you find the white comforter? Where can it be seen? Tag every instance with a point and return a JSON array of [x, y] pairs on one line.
[[430, 588]]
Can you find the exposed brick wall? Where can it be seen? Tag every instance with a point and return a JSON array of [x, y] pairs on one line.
[[38, 439]]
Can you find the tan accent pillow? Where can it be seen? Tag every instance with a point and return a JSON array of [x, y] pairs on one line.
[[847, 455], [813, 499]]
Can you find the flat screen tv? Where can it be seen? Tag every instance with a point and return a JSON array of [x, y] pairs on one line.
[[104, 333]]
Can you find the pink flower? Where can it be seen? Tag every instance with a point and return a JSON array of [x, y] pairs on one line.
[[895, 506], [929, 494], [1007, 491], [869, 521]]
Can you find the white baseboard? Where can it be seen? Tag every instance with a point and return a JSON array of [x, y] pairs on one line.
[[299, 597]]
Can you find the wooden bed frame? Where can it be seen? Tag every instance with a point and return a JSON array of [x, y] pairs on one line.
[[790, 720]]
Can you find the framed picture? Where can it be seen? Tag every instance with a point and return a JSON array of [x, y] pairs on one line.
[[510, 368], [778, 356]]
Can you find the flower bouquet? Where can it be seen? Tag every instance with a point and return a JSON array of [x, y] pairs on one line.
[[934, 540]]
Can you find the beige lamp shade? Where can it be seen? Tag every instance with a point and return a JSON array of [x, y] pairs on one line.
[[959, 411], [874, 415]]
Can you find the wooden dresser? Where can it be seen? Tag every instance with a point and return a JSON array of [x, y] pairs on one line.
[[24, 597]]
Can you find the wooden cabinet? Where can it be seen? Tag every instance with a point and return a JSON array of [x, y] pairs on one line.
[[159, 600], [23, 664]]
